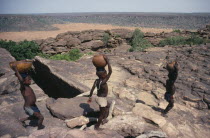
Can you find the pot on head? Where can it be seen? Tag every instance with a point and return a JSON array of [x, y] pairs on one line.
[[22, 66], [99, 61]]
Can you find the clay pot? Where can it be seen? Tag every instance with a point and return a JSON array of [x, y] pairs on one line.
[[98, 61], [22, 66]]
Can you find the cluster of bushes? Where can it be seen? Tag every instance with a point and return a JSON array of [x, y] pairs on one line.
[[106, 38], [72, 55], [180, 40], [138, 43], [29, 49], [22, 50]]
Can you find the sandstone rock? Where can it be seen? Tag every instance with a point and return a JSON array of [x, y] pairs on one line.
[[123, 48], [85, 37], [77, 121], [93, 45], [122, 33], [149, 34], [8, 80], [169, 128], [125, 94], [128, 125], [64, 108], [149, 113], [113, 43], [64, 133], [73, 42], [59, 50], [147, 98], [57, 81], [6, 136], [46, 48], [150, 134], [60, 42]]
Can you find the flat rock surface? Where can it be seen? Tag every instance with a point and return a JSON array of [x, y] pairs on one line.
[[65, 108]]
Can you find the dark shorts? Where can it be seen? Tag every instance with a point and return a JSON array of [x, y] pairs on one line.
[[31, 109], [168, 97]]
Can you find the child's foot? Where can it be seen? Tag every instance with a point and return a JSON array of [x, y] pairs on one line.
[[23, 123], [98, 129], [40, 127], [104, 121], [164, 114]]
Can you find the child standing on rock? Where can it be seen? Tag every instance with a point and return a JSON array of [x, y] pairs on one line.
[[102, 92], [170, 87], [30, 99]]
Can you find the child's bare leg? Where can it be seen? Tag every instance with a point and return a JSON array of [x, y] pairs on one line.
[[106, 114], [102, 111], [22, 120], [40, 119]]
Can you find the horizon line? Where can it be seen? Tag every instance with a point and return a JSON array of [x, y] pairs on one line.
[[102, 12]]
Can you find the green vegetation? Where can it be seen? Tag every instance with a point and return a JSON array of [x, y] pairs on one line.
[[89, 53], [177, 31], [177, 40], [22, 50], [29, 49], [180, 40], [106, 38], [73, 55], [138, 42]]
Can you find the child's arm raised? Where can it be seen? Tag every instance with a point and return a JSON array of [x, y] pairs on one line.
[[14, 67], [109, 69]]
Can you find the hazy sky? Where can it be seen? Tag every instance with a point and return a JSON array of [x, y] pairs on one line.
[[65, 6]]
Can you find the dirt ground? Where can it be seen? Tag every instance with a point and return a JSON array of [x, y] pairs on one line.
[[33, 35]]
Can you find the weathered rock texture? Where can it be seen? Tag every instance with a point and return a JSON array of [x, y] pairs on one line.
[[90, 39], [64, 108], [137, 85], [205, 32], [55, 78], [65, 133], [8, 80], [11, 103]]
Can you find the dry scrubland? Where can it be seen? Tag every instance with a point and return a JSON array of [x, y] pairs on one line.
[[33, 35]]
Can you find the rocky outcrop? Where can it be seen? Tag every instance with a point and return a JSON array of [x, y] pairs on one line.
[[100, 40], [8, 80], [129, 125], [89, 39], [57, 81], [205, 32]]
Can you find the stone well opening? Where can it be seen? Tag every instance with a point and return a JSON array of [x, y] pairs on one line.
[[52, 85]]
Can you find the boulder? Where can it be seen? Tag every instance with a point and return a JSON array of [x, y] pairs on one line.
[[73, 42], [93, 45], [59, 43], [85, 36], [147, 98], [11, 108], [64, 108], [59, 50], [122, 33], [8, 81], [77, 121], [57, 81], [149, 113], [128, 125], [158, 134]]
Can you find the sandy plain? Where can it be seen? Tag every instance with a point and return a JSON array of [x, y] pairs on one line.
[[33, 35]]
